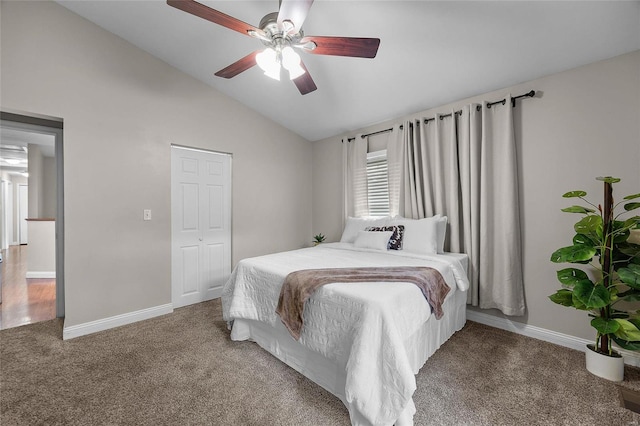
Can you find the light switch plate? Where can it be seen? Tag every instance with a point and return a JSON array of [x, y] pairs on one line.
[[147, 215]]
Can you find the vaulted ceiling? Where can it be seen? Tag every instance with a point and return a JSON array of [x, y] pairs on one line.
[[431, 52]]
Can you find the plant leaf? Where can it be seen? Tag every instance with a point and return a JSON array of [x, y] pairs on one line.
[[571, 276], [584, 240], [608, 179], [593, 296], [635, 321], [578, 209], [621, 237], [631, 297], [589, 225], [627, 331], [629, 249], [605, 326], [629, 223], [619, 315], [631, 206], [578, 304], [572, 254], [630, 276], [562, 297], [574, 194], [631, 197], [625, 344]]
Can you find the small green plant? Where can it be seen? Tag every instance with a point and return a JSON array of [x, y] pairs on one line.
[[317, 239], [602, 234]]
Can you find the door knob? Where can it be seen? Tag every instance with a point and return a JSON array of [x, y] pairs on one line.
[[200, 238]]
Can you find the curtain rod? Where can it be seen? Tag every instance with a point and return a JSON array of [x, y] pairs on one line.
[[529, 94]]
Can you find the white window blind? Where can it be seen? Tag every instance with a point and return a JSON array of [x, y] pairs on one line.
[[377, 183]]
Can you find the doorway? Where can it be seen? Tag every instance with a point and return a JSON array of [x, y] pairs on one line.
[[200, 224], [31, 169]]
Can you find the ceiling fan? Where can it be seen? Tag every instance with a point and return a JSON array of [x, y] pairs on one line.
[[282, 33]]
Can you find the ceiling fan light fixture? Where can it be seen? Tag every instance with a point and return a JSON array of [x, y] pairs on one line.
[[291, 61], [296, 72], [273, 73], [288, 26], [267, 60]]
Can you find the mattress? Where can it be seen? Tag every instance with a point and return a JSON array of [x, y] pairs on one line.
[[364, 342]]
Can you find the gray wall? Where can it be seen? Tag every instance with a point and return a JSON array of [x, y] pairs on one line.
[[585, 123], [48, 187], [42, 184], [35, 180], [122, 110]]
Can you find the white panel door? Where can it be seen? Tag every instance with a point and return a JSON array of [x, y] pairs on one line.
[[201, 224]]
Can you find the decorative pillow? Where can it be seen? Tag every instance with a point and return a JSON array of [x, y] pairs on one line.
[[355, 224], [395, 242], [373, 240], [420, 235]]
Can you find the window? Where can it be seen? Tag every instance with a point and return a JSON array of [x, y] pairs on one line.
[[377, 183]]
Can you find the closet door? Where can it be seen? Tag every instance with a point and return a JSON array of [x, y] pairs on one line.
[[201, 224]]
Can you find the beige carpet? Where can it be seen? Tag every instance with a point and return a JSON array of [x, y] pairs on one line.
[[182, 369]]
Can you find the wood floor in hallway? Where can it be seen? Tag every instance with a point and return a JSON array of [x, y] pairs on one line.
[[24, 301]]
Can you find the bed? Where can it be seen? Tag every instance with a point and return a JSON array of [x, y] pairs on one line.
[[363, 342]]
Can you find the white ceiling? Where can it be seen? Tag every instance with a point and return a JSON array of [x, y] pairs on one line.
[[14, 144], [431, 53]]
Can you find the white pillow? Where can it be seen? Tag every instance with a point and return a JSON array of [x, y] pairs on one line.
[[355, 224], [420, 235], [442, 232], [377, 240]]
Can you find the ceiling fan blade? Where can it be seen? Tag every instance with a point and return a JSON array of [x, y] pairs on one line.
[[295, 11], [238, 66], [305, 83], [205, 12], [342, 46]]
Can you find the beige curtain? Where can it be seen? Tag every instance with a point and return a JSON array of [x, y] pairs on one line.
[[500, 268], [355, 160], [465, 167], [395, 155], [469, 148], [423, 173]]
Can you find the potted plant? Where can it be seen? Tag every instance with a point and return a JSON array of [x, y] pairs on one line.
[[612, 276], [317, 239]]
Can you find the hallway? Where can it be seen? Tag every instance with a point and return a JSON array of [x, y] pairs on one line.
[[24, 301]]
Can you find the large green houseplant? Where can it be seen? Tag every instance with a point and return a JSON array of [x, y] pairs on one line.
[[612, 262]]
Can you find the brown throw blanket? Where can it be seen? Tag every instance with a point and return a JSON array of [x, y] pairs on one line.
[[299, 286]]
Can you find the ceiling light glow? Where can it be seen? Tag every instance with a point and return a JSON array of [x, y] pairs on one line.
[[291, 62], [267, 60]]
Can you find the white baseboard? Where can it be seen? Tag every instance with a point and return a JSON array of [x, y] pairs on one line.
[[40, 274], [572, 342], [115, 321]]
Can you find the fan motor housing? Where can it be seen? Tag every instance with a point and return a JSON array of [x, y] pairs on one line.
[[269, 24]]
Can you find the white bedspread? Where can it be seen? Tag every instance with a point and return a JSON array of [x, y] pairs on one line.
[[362, 323]]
